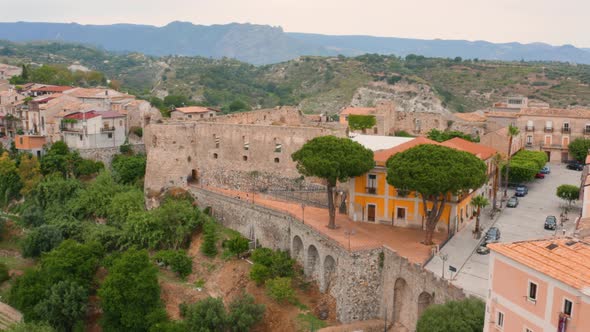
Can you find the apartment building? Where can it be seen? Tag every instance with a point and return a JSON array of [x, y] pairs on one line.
[[93, 129], [539, 286]]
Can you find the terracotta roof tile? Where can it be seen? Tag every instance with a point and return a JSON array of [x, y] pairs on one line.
[[471, 117], [502, 114], [195, 109], [381, 156], [483, 152], [557, 112], [568, 261]]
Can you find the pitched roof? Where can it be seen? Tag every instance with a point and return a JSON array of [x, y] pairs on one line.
[[502, 114], [557, 112], [195, 109], [95, 93], [93, 114], [52, 88], [381, 156], [564, 259], [481, 151], [471, 117], [358, 111]]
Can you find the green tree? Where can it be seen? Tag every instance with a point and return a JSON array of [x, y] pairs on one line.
[[10, 184], [280, 290], [479, 202], [88, 167], [130, 294], [333, 159], [457, 316], [54, 190], [177, 260], [129, 169], [513, 131], [210, 237], [72, 261], [28, 290], [238, 106], [207, 315], [435, 172], [41, 239], [178, 219], [123, 204], [31, 327], [578, 148], [4, 273], [95, 200], [237, 245], [361, 122], [143, 230], [29, 172], [568, 193], [59, 159], [64, 306], [244, 313]]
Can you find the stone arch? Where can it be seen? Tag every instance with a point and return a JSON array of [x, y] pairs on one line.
[[329, 272], [424, 300], [297, 248], [401, 296], [313, 261]]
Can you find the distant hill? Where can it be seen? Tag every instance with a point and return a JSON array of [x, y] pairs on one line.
[[263, 44]]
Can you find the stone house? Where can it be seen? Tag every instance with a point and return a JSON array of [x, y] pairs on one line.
[[499, 140], [383, 113], [193, 113]]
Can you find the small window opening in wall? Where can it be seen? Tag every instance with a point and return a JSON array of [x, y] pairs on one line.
[[246, 146], [110, 135], [277, 160], [532, 296], [245, 158], [215, 156], [278, 147], [568, 307], [80, 137], [500, 320], [188, 159]]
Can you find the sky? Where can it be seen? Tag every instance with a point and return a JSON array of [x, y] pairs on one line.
[[556, 22]]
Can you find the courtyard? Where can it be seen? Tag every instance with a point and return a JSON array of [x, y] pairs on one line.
[[525, 222]]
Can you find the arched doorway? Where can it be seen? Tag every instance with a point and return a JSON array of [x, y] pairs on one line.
[[297, 249], [424, 301], [329, 272], [400, 297], [194, 178], [313, 259]]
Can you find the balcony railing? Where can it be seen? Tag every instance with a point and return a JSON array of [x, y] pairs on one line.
[[371, 190], [530, 128], [548, 129], [107, 129], [71, 130], [566, 130]]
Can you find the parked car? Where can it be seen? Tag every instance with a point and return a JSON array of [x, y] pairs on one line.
[[483, 248], [575, 165], [545, 170], [550, 223], [492, 235], [521, 191], [539, 176], [512, 202]]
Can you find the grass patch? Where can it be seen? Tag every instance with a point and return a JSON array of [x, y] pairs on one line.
[[309, 322], [16, 263]]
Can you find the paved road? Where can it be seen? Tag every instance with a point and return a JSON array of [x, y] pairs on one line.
[[524, 222]]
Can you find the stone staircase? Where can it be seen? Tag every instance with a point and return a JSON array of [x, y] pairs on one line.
[[8, 316]]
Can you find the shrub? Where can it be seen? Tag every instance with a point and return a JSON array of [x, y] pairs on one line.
[[31, 327], [129, 169], [40, 240], [259, 273], [467, 315], [244, 313], [209, 245], [3, 273], [88, 167], [32, 216], [361, 122], [270, 264], [579, 148], [64, 305], [138, 131], [237, 245], [206, 315], [178, 261], [280, 290]]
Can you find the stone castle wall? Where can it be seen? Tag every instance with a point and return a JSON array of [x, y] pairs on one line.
[[106, 154], [362, 282]]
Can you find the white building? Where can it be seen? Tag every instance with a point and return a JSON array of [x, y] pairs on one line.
[[93, 129]]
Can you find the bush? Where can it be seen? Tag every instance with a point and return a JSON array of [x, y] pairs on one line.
[[129, 169], [209, 245], [3, 273], [270, 264], [467, 315], [31, 327], [206, 315], [40, 240], [237, 245], [244, 313], [579, 148], [88, 167], [64, 305], [138, 131], [177, 260], [28, 290], [32, 216], [259, 274], [280, 290]]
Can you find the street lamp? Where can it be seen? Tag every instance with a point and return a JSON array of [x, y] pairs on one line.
[[444, 258]]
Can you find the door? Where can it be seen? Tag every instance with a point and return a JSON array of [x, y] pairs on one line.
[[548, 155], [371, 212], [401, 213]]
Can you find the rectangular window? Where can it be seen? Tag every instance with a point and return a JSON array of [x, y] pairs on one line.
[[587, 128], [372, 184], [401, 213], [548, 124], [500, 320], [532, 291], [565, 141], [566, 125], [568, 307], [110, 135], [529, 140]]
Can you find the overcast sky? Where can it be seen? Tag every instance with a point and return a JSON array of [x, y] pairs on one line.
[[553, 21]]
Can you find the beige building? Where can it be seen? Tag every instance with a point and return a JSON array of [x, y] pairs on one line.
[[500, 141], [383, 113], [551, 130], [193, 113]]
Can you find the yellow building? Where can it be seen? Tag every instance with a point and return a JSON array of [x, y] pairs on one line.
[[374, 200]]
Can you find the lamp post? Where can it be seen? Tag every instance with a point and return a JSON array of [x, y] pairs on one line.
[[444, 258]]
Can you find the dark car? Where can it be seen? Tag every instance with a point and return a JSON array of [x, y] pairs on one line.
[[545, 170], [521, 191], [575, 165], [512, 202], [539, 176], [492, 235], [550, 223]]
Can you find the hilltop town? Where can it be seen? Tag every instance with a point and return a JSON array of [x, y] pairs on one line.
[[365, 216]]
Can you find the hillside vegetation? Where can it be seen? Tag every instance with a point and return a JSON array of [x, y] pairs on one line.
[[316, 84]]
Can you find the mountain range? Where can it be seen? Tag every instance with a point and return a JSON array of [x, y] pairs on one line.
[[263, 44]]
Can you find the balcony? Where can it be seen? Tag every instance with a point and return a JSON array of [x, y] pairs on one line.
[[566, 130], [371, 190], [548, 129], [529, 128], [107, 129], [70, 130]]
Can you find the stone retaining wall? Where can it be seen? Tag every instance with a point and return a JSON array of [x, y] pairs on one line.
[[106, 154]]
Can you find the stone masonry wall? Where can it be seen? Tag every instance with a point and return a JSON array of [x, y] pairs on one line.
[[106, 154], [362, 282]]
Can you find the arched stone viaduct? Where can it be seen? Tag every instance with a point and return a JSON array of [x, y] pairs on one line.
[[366, 284]]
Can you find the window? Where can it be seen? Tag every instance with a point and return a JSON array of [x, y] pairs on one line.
[[217, 141], [529, 140], [587, 128], [245, 158], [110, 135], [202, 116], [371, 183], [246, 146], [548, 124], [401, 213], [190, 116], [215, 156], [278, 147], [20, 139], [532, 295], [565, 141], [568, 307], [566, 125], [500, 320], [210, 115], [80, 137], [277, 160], [375, 130]]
